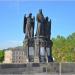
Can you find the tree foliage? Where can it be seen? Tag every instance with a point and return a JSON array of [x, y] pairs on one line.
[[1, 55], [64, 48]]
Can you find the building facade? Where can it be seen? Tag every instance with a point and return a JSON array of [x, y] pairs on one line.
[[14, 55], [8, 56]]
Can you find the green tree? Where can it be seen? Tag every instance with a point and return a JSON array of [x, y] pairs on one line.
[[1, 55], [64, 48]]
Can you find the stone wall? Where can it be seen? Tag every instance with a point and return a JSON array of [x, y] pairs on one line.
[[30, 68], [35, 68]]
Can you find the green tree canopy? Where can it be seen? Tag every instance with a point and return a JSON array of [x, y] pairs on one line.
[[1, 55], [64, 48]]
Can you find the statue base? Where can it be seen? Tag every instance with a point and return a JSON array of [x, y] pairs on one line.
[[36, 60]]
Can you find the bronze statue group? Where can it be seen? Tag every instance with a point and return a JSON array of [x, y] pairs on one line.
[[43, 33], [43, 25]]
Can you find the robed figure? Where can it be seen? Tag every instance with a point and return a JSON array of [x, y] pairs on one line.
[[47, 27], [28, 27], [40, 23]]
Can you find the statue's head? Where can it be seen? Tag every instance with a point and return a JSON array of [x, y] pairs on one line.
[[46, 18], [40, 11], [30, 14]]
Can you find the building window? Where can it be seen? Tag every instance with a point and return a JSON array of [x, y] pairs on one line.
[[19, 57], [19, 61]]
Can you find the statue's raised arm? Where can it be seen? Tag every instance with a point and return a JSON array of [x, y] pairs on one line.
[[24, 24]]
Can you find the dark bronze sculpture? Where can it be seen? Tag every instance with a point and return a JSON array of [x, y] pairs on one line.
[[43, 25], [47, 26], [28, 27], [40, 45], [40, 23]]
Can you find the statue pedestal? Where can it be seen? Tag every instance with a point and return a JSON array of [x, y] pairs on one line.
[[37, 49], [36, 59], [25, 49]]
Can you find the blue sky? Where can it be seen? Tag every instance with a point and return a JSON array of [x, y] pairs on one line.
[[62, 14]]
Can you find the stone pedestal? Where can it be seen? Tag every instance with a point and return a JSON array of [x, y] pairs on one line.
[[25, 49], [43, 44], [38, 49], [28, 47], [36, 56], [36, 59]]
